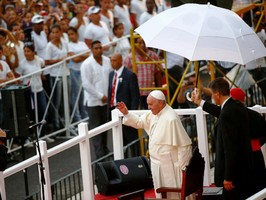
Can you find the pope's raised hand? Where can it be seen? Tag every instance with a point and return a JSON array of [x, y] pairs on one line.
[[121, 106]]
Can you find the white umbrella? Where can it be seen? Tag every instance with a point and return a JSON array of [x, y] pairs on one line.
[[203, 32]]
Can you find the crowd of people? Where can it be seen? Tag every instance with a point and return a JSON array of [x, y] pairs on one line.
[[36, 34]]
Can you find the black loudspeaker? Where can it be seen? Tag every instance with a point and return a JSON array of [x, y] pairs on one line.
[[121, 176], [17, 110]]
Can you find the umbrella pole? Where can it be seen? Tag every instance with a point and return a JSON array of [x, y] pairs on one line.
[[212, 67], [196, 67]]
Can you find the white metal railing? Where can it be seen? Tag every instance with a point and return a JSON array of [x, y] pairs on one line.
[[83, 139], [258, 196]]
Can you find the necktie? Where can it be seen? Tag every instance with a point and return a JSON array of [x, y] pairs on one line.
[[113, 90]]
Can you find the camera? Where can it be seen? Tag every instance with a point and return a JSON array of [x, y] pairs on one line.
[[10, 44]]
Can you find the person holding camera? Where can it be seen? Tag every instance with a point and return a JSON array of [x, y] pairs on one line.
[[184, 102], [186, 89]]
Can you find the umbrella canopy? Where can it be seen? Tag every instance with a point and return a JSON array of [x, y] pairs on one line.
[[203, 32], [220, 3]]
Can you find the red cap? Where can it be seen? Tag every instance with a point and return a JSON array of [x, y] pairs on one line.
[[238, 94]]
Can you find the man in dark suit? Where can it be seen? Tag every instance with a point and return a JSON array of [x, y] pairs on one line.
[[234, 159], [125, 88], [257, 127]]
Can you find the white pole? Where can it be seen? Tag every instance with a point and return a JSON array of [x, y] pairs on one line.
[[85, 157], [117, 136], [2, 186], [203, 143], [66, 100], [46, 170]]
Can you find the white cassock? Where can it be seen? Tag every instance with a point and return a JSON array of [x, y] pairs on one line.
[[169, 146]]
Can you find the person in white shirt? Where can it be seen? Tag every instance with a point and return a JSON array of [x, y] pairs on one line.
[[80, 21], [122, 46], [97, 30], [121, 15], [169, 144], [64, 26], [137, 7], [30, 64], [5, 72], [151, 11], [39, 38], [19, 36], [94, 77], [107, 16], [56, 52], [75, 47]]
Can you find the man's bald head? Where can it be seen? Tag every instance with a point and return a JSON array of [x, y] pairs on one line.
[[116, 61]]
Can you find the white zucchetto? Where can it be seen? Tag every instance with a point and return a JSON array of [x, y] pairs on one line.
[[158, 94]]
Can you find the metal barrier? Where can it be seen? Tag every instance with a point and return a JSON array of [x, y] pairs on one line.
[[85, 153], [259, 196], [69, 187]]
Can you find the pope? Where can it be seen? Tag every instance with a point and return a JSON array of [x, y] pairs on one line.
[[169, 144]]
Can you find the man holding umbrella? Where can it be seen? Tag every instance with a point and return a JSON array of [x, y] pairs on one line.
[[234, 162]]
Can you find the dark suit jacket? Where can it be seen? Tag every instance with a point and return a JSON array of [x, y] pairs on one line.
[[128, 92], [127, 89], [233, 150]]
